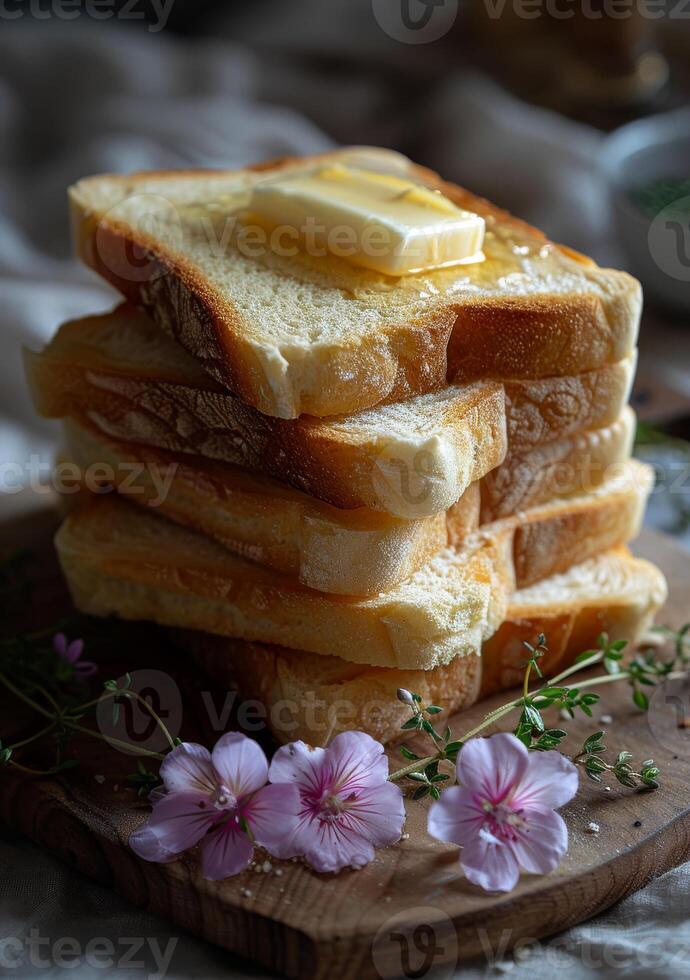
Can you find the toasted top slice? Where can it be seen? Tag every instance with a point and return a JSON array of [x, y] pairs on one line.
[[412, 459], [293, 334]]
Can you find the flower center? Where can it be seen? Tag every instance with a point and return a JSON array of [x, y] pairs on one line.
[[332, 805], [223, 799], [502, 821]]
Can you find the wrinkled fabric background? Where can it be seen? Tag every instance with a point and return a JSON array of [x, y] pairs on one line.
[[75, 100]]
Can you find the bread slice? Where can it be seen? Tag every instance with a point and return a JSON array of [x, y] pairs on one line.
[[543, 410], [551, 538], [298, 334], [410, 460], [119, 559], [350, 552], [613, 594], [562, 468], [313, 698]]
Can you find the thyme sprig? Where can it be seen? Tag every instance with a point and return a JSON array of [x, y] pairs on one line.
[[646, 669]]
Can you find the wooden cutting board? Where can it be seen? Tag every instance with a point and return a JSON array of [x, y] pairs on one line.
[[410, 910]]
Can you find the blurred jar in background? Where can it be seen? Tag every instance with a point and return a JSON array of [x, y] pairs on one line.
[[583, 57]]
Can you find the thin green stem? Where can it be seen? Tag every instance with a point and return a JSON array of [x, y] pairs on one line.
[[583, 665], [29, 770], [80, 709], [25, 698], [498, 713], [33, 738], [489, 720], [115, 742], [156, 718], [415, 766], [69, 723]]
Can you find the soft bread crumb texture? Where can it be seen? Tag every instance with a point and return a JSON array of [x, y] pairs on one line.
[[121, 560], [313, 698]]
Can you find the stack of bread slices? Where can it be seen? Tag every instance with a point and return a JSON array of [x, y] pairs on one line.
[[334, 482]]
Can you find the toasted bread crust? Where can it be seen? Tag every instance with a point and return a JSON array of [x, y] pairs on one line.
[[313, 698], [571, 627], [119, 560], [506, 336], [355, 552], [349, 467]]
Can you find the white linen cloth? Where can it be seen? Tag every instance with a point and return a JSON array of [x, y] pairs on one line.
[[80, 101]]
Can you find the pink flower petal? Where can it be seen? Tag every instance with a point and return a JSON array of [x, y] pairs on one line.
[[180, 820], [492, 866], [75, 650], [456, 817], [328, 843], [240, 763], [378, 814], [272, 815], [542, 844], [551, 780], [146, 843], [85, 669], [329, 846], [356, 760], [188, 769], [299, 763], [225, 851], [60, 644], [347, 806], [491, 767]]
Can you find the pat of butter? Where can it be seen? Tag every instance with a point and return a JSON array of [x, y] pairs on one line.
[[380, 221]]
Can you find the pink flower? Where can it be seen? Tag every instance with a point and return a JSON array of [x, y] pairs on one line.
[[502, 811], [71, 654], [346, 805], [221, 799]]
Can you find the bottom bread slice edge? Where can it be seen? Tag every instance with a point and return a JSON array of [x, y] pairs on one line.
[[312, 698]]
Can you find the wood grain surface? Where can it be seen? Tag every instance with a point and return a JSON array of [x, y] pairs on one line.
[[410, 910]]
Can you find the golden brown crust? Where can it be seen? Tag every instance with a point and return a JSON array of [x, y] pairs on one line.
[[501, 337], [313, 698], [541, 336], [121, 561], [560, 469], [332, 460]]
